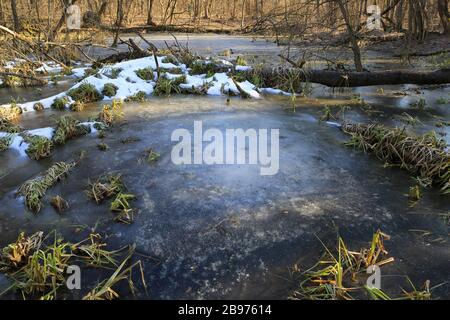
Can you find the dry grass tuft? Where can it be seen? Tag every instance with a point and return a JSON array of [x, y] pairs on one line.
[[111, 113], [39, 147], [34, 190], [10, 113], [67, 128]]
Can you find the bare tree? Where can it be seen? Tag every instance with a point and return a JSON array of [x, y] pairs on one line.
[[352, 35], [149, 13], [444, 15], [2, 15], [119, 21], [15, 16]]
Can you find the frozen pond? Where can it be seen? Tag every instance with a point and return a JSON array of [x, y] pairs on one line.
[[225, 231]]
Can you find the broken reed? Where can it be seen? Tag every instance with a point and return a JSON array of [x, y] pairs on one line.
[[37, 267], [111, 186], [424, 155]]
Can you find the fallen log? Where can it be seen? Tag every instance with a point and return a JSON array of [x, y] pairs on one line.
[[273, 77]]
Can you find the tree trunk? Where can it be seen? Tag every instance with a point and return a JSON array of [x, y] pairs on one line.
[[102, 9], [206, 9], [329, 78], [399, 15], [444, 15], [119, 21], [243, 13], [149, 13], [352, 35], [2, 15], [15, 16]]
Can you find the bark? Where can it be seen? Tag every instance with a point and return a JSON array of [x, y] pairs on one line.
[[355, 79]]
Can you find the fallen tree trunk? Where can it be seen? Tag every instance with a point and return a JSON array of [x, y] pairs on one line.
[[273, 77]]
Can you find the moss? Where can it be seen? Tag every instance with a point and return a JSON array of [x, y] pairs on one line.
[[86, 93], [68, 127], [60, 103], [109, 90], [145, 73], [39, 147], [38, 106], [138, 97]]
